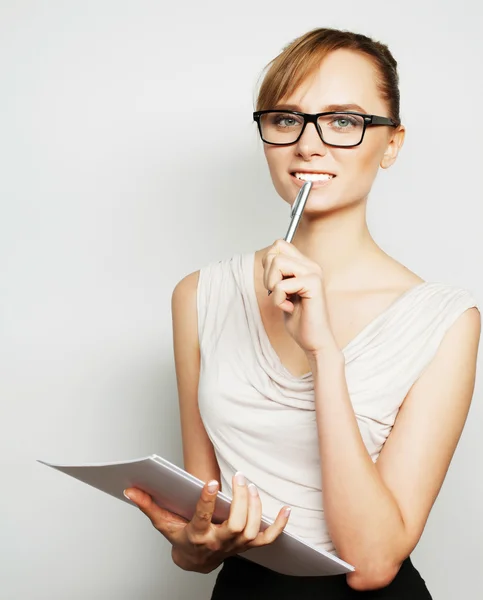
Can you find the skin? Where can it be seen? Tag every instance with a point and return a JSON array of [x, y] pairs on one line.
[[344, 77], [327, 286]]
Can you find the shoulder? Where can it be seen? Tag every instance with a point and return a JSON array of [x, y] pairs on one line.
[[459, 307], [226, 275], [443, 300], [208, 290], [185, 288], [449, 320], [429, 316], [452, 343], [432, 295], [466, 329]]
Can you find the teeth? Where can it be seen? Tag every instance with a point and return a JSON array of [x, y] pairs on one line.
[[313, 176]]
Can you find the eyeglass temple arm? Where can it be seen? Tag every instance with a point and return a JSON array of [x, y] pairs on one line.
[[381, 121]]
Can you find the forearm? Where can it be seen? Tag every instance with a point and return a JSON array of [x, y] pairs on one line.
[[363, 518]]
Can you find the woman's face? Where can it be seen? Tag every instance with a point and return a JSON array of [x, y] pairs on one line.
[[343, 78]]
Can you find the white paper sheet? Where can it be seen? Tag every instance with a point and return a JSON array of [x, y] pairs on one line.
[[176, 490]]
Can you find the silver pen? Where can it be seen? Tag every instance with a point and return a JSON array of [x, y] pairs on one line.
[[297, 210]]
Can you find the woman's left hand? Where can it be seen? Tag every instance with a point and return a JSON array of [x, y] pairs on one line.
[[297, 286]]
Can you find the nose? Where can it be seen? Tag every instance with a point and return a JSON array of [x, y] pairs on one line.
[[310, 143]]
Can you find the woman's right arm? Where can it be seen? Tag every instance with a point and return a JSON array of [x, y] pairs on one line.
[[199, 545], [198, 453]]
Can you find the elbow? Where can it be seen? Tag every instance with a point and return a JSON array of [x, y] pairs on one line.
[[376, 570], [372, 578]]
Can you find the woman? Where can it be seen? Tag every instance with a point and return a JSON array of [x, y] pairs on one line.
[[353, 377]]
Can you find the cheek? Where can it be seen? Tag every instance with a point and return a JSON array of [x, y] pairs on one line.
[[360, 166], [273, 158], [278, 161]]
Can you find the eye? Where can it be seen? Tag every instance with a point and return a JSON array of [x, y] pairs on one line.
[[344, 123], [286, 120]]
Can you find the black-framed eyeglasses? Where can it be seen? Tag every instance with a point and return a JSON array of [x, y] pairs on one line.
[[343, 129]]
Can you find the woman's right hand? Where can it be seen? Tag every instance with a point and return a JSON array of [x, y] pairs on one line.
[[200, 545]]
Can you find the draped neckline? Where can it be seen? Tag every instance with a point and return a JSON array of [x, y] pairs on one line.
[[248, 268]]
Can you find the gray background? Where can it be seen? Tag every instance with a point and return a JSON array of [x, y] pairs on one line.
[[128, 159]]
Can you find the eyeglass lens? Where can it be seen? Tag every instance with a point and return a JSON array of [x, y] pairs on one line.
[[337, 129]]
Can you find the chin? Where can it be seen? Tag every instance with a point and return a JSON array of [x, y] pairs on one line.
[[321, 208]]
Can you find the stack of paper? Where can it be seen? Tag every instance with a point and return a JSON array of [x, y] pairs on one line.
[[176, 490]]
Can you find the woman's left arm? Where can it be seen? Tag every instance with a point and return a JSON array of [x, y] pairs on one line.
[[376, 512]]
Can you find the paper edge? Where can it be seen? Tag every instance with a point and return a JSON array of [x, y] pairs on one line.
[[179, 471]]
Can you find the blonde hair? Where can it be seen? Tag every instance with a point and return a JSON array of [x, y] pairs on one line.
[[302, 57]]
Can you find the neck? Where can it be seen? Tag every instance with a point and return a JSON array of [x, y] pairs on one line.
[[340, 242]]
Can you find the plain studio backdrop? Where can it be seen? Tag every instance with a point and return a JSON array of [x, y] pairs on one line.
[[129, 159]]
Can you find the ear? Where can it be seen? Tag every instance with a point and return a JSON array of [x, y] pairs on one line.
[[395, 144]]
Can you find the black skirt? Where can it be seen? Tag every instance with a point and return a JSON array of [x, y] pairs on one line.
[[240, 579]]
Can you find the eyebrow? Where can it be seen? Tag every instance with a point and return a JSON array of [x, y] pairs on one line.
[[328, 108]]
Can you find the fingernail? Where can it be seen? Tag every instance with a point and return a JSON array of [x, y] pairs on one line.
[[252, 488], [240, 478], [286, 511], [212, 486], [124, 492]]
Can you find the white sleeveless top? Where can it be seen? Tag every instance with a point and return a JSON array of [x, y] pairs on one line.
[[261, 418]]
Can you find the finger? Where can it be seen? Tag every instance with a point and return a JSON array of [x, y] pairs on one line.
[[163, 520], [254, 514], [273, 531], [267, 263], [271, 251], [307, 286], [281, 267], [287, 248], [278, 247], [237, 519], [201, 521]]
